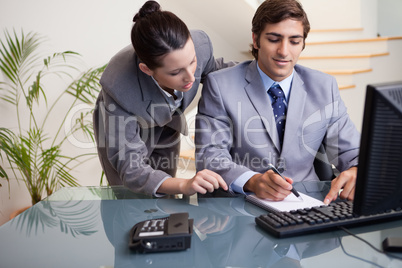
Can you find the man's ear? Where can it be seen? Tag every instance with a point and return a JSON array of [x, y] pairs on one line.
[[144, 68], [255, 41]]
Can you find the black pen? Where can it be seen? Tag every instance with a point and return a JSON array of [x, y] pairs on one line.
[[293, 188]]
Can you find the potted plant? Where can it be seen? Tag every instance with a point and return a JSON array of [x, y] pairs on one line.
[[33, 150]]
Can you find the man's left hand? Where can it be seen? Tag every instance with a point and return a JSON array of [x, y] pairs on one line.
[[346, 181]]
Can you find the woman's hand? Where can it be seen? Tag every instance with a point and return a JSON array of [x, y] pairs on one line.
[[204, 181]]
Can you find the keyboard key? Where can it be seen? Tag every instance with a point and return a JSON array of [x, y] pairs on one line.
[[272, 222]]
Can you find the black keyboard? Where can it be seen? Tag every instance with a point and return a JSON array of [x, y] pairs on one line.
[[323, 218]]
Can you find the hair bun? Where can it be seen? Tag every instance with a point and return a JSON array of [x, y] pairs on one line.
[[148, 8]]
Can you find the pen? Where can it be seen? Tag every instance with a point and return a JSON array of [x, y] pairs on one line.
[[293, 188]]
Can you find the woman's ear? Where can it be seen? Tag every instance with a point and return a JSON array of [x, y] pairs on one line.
[[144, 68]]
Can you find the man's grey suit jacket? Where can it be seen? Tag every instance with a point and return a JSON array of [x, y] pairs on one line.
[[236, 130]]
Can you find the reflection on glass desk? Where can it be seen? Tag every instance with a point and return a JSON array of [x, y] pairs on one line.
[[89, 227]]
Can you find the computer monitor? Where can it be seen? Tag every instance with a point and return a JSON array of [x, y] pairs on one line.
[[379, 176]]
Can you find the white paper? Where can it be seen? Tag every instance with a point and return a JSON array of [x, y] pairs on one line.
[[291, 202]]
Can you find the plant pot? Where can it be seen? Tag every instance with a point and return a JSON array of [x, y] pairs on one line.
[[18, 212]]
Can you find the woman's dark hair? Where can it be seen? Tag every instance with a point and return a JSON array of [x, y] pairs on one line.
[[156, 33], [274, 11]]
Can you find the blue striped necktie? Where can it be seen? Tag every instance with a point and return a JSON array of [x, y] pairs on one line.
[[279, 108]]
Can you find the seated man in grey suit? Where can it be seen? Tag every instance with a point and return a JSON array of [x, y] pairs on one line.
[[238, 132]]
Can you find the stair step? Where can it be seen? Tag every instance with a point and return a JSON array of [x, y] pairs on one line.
[[342, 87], [345, 79], [365, 40], [377, 45], [347, 72], [316, 35], [344, 56], [351, 61], [336, 30]]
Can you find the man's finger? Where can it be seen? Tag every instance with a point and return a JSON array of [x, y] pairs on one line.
[[332, 195]]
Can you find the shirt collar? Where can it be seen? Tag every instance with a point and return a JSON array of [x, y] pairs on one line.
[[285, 83], [173, 103]]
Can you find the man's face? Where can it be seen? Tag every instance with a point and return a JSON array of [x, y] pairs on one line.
[[280, 47]]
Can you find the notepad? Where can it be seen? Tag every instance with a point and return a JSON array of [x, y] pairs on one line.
[[291, 202]]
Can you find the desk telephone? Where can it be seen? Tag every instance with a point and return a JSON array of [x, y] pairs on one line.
[[172, 233]]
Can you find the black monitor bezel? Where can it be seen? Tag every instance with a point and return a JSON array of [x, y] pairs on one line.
[[363, 202]]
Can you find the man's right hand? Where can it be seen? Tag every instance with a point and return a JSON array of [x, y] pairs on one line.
[[269, 185]]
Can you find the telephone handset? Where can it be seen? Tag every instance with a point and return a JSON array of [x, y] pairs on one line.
[[172, 233]]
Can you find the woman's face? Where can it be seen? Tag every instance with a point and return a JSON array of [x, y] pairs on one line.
[[177, 71]]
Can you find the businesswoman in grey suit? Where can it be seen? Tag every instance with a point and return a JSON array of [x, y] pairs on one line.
[[139, 118]]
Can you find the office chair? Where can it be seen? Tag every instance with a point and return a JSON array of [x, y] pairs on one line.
[[323, 168]]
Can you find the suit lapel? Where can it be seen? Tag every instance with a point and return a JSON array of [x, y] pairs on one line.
[[155, 103], [260, 100], [157, 107], [294, 114]]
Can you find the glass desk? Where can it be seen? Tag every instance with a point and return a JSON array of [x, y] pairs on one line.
[[89, 227]]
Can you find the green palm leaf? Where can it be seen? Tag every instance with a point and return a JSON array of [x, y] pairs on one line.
[[33, 155]]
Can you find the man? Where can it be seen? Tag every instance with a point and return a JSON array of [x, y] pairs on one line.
[[237, 134]]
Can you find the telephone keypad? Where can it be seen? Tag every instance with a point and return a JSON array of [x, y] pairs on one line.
[[153, 227]]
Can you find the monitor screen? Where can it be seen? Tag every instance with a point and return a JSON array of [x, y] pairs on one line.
[[379, 176]]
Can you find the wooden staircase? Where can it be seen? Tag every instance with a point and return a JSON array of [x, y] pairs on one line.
[[345, 58], [354, 62]]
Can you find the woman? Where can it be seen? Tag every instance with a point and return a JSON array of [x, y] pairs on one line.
[[139, 117]]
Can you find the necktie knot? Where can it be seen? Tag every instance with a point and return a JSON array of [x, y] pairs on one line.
[[276, 92]]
